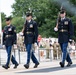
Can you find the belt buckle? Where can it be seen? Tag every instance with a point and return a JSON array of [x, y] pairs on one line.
[[6, 35], [62, 30], [27, 32]]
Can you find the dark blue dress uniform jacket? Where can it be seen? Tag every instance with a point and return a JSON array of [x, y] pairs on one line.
[[9, 35], [30, 32], [66, 30]]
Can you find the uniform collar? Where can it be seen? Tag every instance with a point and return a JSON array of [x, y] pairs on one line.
[[8, 25], [62, 18], [29, 21]]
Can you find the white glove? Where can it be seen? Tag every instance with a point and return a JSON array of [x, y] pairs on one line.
[[70, 39], [35, 44], [55, 29], [3, 46], [21, 33], [15, 46]]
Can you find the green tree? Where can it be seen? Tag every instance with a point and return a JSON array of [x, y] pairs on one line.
[[45, 12], [18, 22], [3, 16]]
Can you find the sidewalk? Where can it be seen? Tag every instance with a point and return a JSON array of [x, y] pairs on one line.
[[45, 68]]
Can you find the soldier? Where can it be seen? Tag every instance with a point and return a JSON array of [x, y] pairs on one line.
[[66, 31], [30, 31], [9, 38], [47, 46], [55, 50]]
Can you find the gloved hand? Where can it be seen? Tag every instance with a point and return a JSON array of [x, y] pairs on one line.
[[3, 46], [21, 33], [70, 41], [35, 44], [55, 29], [15, 46]]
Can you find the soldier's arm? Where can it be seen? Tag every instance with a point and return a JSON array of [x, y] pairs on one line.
[[56, 27], [71, 29], [14, 35], [36, 31], [58, 19], [22, 32], [3, 38], [23, 28]]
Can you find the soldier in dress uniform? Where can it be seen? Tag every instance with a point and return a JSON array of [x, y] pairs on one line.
[[30, 31], [66, 31], [9, 38]]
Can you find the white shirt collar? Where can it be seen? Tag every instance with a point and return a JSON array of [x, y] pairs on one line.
[[62, 18], [8, 25], [29, 21]]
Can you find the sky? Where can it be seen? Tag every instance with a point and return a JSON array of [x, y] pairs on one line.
[[5, 6]]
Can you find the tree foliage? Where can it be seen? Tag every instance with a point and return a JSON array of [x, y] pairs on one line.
[[3, 16], [45, 12]]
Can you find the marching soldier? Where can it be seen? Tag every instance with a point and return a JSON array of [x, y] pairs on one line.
[[30, 31], [66, 31], [9, 38]]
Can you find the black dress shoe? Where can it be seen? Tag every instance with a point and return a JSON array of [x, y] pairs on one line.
[[69, 64], [61, 64], [26, 66], [36, 65], [16, 65], [6, 67]]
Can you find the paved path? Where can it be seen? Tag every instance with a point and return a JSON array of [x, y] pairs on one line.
[[45, 68]]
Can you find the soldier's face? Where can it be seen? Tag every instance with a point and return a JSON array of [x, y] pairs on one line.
[[8, 22], [28, 18], [63, 15]]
